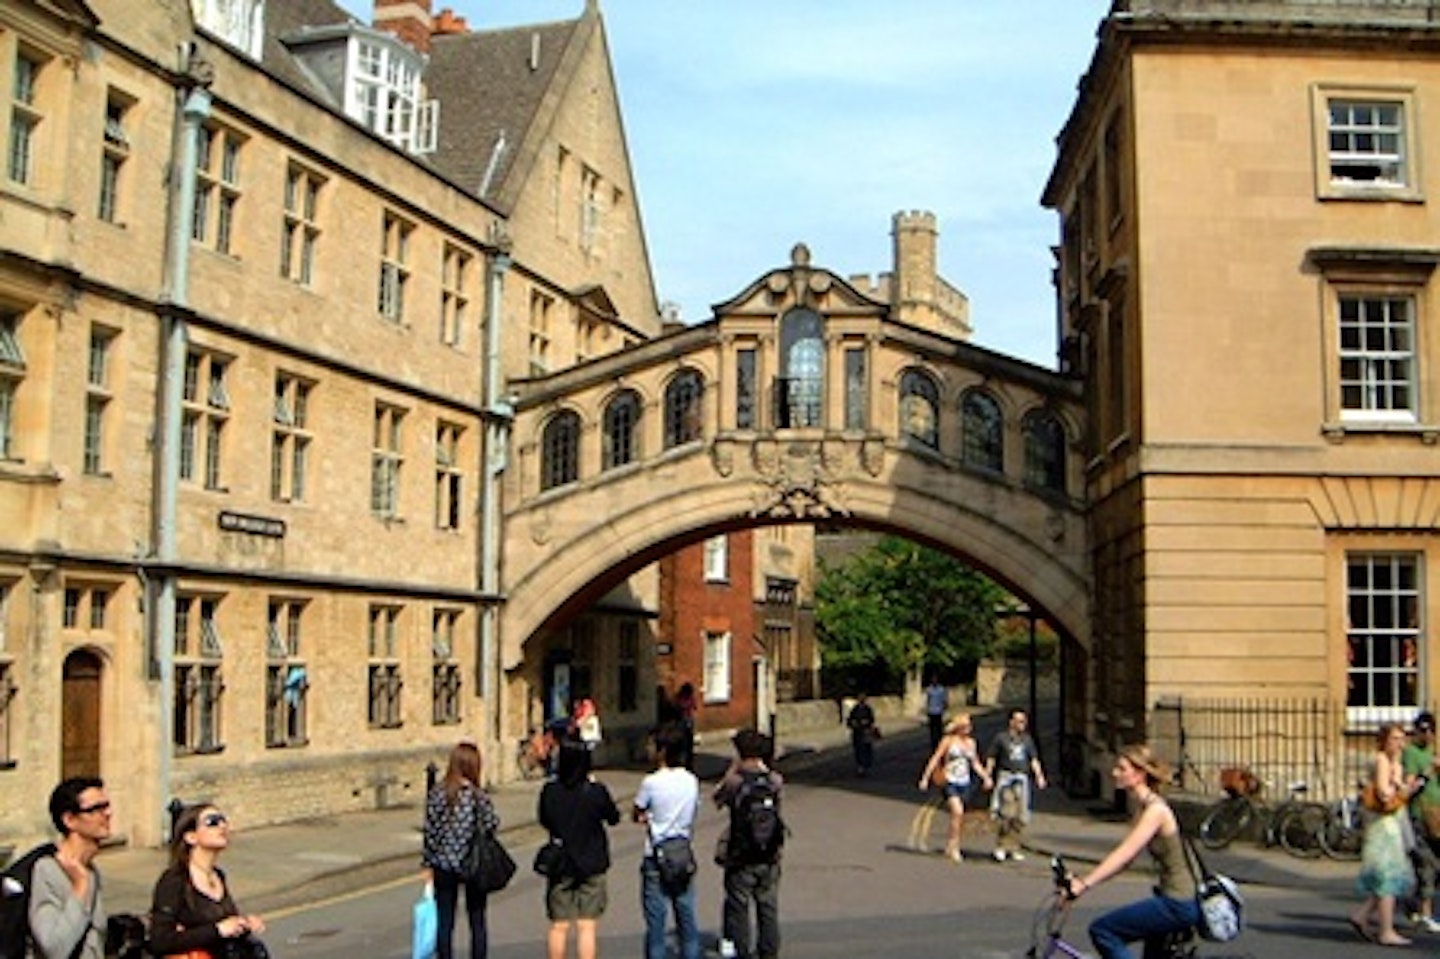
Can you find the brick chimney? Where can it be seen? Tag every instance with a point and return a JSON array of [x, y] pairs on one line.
[[447, 22], [408, 19]]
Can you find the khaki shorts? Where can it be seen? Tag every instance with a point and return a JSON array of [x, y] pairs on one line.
[[567, 899]]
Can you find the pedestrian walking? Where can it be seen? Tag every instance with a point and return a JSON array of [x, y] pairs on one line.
[[957, 759], [66, 915], [1013, 763], [1385, 869], [457, 813], [1418, 759], [686, 705], [575, 809], [192, 909], [665, 804], [863, 733], [937, 700], [750, 790], [1173, 907]]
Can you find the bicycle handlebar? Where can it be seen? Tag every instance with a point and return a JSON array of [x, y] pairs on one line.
[[1062, 876]]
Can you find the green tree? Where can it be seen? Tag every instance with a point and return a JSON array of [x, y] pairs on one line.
[[905, 608]]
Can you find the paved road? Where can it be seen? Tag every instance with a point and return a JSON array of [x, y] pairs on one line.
[[852, 887]]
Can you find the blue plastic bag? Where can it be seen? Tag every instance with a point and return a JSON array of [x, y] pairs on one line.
[[426, 925]]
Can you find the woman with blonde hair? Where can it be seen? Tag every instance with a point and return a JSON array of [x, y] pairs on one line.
[[457, 813], [1385, 869], [1172, 908], [192, 909], [962, 766]]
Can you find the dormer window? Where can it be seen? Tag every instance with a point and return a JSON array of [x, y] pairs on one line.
[[385, 93], [240, 23]]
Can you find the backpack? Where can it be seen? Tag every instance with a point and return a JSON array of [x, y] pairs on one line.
[[756, 830], [15, 902]]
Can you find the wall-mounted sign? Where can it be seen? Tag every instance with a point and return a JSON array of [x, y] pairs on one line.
[[254, 525], [663, 649]]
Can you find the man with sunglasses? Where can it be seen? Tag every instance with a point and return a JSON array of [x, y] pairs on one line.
[[67, 916], [1418, 759]]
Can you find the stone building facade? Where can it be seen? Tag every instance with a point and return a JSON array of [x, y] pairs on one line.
[[257, 306], [1247, 286]]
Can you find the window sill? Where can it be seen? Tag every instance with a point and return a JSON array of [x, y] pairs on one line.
[[8, 764], [290, 744], [1370, 194], [1335, 432], [202, 751]]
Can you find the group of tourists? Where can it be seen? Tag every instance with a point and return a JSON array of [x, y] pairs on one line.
[[576, 809], [192, 911]]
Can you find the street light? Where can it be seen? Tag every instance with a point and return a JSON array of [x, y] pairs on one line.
[[1023, 611]]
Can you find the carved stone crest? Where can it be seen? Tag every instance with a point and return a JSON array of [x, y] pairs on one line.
[[796, 482]]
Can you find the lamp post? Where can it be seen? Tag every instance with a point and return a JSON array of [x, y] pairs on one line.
[[1031, 617]]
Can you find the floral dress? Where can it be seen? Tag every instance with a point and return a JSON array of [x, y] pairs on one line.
[[1385, 867]]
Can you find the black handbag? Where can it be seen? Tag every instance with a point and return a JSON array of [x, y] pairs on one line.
[[550, 859], [496, 866]]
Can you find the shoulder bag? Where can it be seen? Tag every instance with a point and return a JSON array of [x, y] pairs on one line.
[[1370, 799], [486, 859], [675, 860], [551, 858], [1222, 916]]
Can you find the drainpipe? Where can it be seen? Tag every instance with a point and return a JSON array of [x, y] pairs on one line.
[[194, 109], [501, 414]]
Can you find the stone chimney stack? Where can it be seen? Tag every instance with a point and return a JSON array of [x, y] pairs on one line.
[[913, 294], [409, 20]]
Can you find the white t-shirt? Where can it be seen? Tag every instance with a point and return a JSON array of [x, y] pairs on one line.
[[670, 796]]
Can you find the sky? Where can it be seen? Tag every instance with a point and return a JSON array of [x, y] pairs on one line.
[[757, 124]]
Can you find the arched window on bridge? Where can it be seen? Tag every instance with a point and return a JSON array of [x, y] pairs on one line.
[[1044, 451], [560, 450], [683, 399], [802, 370], [621, 442], [982, 428], [920, 408]]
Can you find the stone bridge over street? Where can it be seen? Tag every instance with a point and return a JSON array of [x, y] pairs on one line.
[[802, 400]]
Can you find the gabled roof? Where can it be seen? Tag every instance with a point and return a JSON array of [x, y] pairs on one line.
[[291, 17], [487, 89]]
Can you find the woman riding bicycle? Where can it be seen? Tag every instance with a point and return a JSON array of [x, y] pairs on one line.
[[1173, 908]]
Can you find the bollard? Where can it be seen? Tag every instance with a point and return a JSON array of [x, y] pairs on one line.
[[174, 807]]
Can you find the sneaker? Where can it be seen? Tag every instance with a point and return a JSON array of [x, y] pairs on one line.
[[999, 855], [957, 856], [1428, 923], [1017, 857]]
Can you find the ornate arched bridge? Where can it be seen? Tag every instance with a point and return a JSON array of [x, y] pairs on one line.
[[802, 399]]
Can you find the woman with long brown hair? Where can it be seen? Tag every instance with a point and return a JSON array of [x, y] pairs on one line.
[[457, 813], [1385, 869], [192, 908], [1153, 828]]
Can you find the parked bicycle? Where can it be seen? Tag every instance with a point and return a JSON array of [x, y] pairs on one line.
[[1296, 825], [1344, 831], [532, 753], [1047, 939]]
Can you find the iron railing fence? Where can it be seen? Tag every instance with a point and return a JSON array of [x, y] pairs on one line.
[[1281, 741]]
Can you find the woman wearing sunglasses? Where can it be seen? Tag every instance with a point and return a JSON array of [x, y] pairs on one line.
[[192, 910]]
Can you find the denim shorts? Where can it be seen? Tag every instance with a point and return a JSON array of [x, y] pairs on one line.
[[960, 791]]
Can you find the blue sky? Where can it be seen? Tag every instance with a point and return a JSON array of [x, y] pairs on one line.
[[754, 124]]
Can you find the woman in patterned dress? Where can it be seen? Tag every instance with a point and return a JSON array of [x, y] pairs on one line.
[[456, 812], [1385, 869]]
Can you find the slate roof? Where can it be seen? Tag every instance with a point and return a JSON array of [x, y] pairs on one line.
[[482, 79], [293, 16], [486, 86]]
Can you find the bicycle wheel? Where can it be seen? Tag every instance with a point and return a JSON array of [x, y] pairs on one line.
[[1225, 820], [1342, 836], [1299, 828]]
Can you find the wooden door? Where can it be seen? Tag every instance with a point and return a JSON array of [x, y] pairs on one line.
[[80, 716]]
